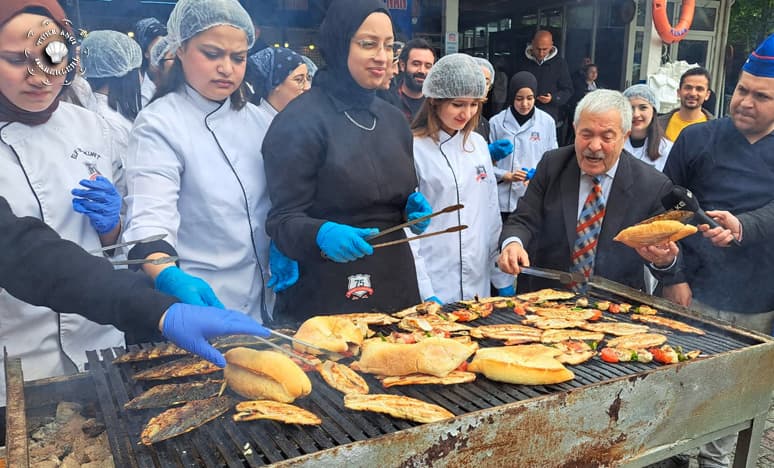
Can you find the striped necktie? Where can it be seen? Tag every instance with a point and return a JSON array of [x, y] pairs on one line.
[[588, 229]]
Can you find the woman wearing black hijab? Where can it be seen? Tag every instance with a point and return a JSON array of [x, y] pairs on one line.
[[339, 167]]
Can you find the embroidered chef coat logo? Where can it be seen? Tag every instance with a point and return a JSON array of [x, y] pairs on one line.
[[480, 173], [359, 287], [535, 136], [89, 159]]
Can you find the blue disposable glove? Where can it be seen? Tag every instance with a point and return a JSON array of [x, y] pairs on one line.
[[500, 149], [189, 289], [284, 270], [434, 299], [530, 173], [342, 243], [508, 291], [190, 326], [417, 206], [101, 203]]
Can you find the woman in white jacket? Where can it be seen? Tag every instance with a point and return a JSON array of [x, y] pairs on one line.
[[454, 166], [57, 164], [532, 132], [111, 64], [647, 141], [195, 171]]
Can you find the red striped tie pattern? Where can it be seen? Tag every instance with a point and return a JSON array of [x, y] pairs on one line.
[[588, 229]]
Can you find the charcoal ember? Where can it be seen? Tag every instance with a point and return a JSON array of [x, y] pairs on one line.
[[93, 428]]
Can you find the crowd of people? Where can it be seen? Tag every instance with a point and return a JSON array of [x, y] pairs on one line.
[[261, 180]]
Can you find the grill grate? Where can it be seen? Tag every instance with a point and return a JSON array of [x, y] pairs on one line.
[[224, 443]]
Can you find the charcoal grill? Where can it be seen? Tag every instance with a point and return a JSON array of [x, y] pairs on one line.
[[609, 415]]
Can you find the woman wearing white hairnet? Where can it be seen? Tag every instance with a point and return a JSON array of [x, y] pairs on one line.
[[194, 171], [454, 166], [111, 64], [59, 164], [339, 168], [148, 32], [647, 141]]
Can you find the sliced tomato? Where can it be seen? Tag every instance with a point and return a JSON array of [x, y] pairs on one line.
[[464, 315], [597, 315], [614, 308], [519, 309], [609, 355], [463, 367], [663, 356]]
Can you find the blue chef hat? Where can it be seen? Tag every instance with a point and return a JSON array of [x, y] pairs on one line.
[[268, 68], [761, 62]]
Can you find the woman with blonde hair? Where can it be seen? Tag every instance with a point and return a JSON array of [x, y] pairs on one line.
[[454, 166]]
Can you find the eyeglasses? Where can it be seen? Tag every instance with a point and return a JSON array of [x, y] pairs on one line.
[[373, 46], [302, 80]]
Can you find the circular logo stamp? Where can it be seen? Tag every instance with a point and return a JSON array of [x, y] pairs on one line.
[[53, 52]]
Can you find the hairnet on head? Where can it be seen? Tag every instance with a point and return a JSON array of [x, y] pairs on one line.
[[148, 29], [269, 67], [642, 91], [158, 51], [310, 65], [109, 54], [482, 62], [190, 17], [455, 76]]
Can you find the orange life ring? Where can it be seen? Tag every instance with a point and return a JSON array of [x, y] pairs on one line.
[[665, 30]]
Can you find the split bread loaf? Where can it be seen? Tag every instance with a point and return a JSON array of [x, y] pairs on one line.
[[265, 375], [330, 333], [434, 356], [533, 364], [657, 232]]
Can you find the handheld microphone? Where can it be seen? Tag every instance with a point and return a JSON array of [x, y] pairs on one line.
[[680, 198]]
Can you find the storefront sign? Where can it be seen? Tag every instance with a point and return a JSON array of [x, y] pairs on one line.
[[452, 44]]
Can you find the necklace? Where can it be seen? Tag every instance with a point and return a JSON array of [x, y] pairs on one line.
[[363, 127]]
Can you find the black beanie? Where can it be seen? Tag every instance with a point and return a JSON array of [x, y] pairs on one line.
[[521, 80]]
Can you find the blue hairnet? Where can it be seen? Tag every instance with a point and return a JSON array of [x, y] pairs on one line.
[[310, 65], [268, 68], [455, 76], [108, 54], [148, 29], [158, 51], [190, 17], [642, 91]]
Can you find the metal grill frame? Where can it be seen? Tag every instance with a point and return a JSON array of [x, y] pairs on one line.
[[627, 415]]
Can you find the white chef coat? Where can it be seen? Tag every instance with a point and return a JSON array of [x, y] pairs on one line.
[[39, 166], [530, 142], [147, 90], [641, 153], [459, 265], [266, 114], [195, 172], [120, 126]]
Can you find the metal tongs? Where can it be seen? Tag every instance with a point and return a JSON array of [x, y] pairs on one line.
[[448, 209], [290, 352], [139, 261], [144, 240], [564, 277], [146, 261]]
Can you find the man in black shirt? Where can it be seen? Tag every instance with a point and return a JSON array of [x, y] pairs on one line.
[[416, 59]]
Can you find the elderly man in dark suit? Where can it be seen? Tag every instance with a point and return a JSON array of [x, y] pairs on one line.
[[582, 196]]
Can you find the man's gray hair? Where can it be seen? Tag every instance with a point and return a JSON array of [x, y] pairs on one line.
[[604, 100]]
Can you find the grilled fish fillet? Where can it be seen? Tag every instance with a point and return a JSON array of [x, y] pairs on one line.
[[455, 377], [663, 321], [397, 406], [162, 396], [342, 378], [180, 368], [176, 421], [148, 354], [276, 411]]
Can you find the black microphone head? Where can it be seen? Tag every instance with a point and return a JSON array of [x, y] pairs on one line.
[[680, 198]]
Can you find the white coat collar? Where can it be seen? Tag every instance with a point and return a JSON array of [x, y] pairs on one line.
[[268, 108], [205, 105], [510, 122], [531, 56]]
